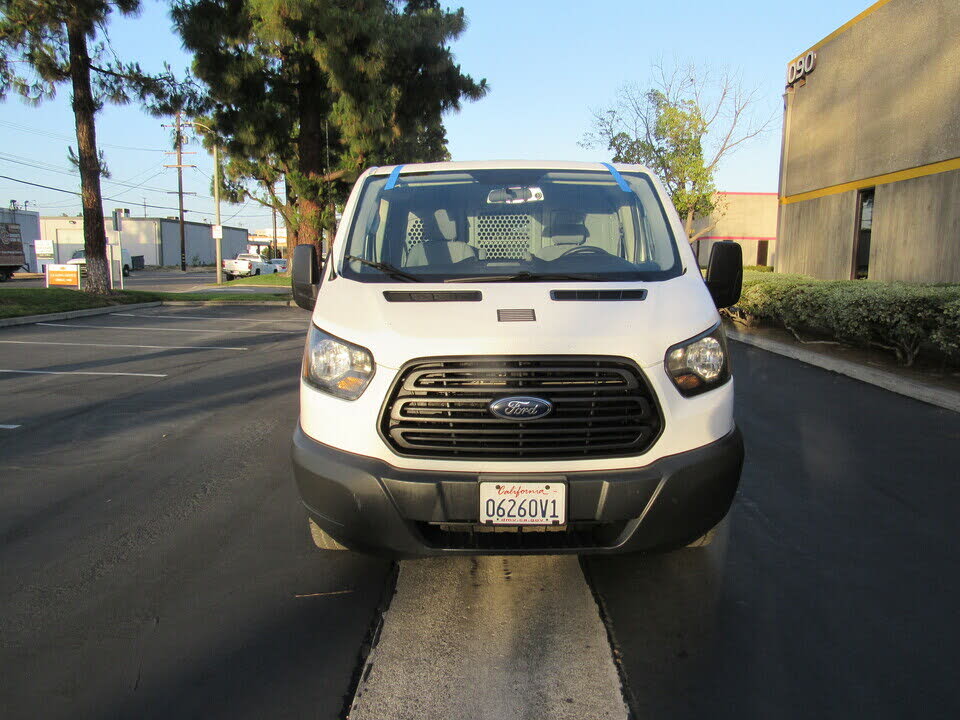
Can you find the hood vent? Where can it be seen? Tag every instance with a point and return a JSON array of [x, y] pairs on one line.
[[516, 315], [438, 296], [598, 294]]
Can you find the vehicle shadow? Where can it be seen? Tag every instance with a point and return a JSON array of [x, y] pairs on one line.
[[661, 611]]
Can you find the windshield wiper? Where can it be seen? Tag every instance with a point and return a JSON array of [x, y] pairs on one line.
[[526, 276], [387, 268]]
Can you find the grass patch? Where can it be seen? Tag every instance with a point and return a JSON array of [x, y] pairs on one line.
[[271, 280], [17, 302]]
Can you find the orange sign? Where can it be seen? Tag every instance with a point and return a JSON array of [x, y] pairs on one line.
[[63, 275]]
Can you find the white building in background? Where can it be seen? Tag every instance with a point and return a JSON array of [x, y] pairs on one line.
[[29, 222], [156, 240]]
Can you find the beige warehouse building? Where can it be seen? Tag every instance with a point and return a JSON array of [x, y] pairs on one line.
[[870, 160], [747, 218]]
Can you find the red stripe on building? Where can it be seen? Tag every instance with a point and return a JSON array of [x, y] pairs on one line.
[[732, 237], [746, 193]]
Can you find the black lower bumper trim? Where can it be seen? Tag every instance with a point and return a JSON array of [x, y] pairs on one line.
[[372, 506]]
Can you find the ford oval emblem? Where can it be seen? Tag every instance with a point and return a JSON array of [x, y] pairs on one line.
[[521, 408]]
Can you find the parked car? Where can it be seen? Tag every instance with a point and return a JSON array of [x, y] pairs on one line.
[[280, 264], [78, 259], [514, 357], [246, 264]]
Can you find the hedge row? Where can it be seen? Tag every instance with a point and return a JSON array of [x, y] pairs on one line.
[[902, 317]]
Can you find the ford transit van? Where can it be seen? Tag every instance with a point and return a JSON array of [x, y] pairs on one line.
[[514, 357]]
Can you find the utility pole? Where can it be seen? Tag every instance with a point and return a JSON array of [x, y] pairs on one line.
[[180, 166]]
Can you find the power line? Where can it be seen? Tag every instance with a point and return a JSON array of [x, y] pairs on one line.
[[58, 136], [47, 167], [102, 197]]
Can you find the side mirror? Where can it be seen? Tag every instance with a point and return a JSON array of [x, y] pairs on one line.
[[305, 276], [725, 273]]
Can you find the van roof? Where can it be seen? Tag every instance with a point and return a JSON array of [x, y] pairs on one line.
[[505, 165]]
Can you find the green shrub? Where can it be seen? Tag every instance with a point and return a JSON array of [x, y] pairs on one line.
[[758, 268], [898, 316]]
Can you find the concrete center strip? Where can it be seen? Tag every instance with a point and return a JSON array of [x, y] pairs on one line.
[[491, 637]]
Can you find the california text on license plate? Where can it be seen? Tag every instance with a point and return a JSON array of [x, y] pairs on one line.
[[523, 503]]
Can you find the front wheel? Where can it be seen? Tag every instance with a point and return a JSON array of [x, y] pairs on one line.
[[126, 271], [257, 272], [322, 539]]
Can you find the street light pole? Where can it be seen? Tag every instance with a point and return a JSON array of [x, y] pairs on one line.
[[216, 199]]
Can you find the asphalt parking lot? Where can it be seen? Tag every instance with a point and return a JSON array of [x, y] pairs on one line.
[[153, 548], [156, 561]]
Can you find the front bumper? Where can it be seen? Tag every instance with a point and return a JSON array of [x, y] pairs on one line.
[[371, 506]]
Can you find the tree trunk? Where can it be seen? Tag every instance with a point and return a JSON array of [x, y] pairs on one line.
[[84, 108], [310, 155], [293, 228]]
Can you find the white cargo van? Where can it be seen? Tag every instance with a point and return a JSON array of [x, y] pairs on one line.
[[514, 357]]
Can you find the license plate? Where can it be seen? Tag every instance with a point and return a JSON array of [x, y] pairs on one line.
[[523, 503]]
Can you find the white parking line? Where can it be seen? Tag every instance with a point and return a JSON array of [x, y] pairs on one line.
[[9, 427], [166, 329], [149, 347], [197, 317], [78, 372]]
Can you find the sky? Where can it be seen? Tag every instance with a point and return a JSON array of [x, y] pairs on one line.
[[549, 63]]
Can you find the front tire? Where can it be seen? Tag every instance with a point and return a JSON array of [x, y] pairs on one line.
[[257, 272], [126, 271], [322, 539]]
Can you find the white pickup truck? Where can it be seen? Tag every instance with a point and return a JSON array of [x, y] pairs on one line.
[[247, 264]]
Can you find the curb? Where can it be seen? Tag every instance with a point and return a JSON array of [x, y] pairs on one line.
[[221, 303], [930, 394], [70, 314]]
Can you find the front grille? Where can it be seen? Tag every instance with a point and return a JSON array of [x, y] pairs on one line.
[[602, 407]]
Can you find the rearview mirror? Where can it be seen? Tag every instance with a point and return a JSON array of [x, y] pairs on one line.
[[514, 195], [725, 273], [305, 276]]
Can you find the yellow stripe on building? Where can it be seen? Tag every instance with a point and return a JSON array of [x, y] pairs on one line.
[[843, 28], [886, 178]]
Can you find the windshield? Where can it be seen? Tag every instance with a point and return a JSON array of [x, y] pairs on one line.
[[510, 225], [77, 255]]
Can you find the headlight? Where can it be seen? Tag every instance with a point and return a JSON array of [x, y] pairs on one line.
[[336, 366], [700, 363]]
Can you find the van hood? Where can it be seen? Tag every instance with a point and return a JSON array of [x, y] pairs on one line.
[[396, 332]]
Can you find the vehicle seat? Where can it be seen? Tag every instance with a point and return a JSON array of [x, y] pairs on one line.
[[439, 245], [565, 237]]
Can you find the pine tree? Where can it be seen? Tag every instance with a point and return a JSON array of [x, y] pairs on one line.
[[313, 91], [47, 43]]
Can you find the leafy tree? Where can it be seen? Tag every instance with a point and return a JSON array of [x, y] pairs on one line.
[[46, 43], [312, 91], [682, 128]]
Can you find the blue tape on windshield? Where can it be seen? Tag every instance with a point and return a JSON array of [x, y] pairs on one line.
[[618, 177], [392, 180]]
